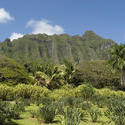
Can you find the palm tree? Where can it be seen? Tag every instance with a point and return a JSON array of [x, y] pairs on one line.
[[70, 69], [52, 77], [117, 60]]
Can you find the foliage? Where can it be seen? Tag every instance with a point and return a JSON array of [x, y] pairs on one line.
[[64, 91], [6, 92], [11, 73], [9, 111], [23, 91], [117, 57], [94, 113], [17, 109], [116, 112], [33, 110], [6, 112], [85, 91], [52, 77], [117, 60], [70, 69], [73, 116], [46, 113], [99, 74], [66, 103], [46, 100]]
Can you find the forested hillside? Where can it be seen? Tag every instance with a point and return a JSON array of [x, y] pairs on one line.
[[57, 48]]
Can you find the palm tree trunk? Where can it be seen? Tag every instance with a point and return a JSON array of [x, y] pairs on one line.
[[123, 78]]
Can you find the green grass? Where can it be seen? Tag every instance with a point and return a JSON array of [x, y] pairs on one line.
[[26, 120]]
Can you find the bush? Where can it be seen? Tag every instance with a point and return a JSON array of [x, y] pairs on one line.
[[68, 101], [46, 113], [33, 110], [33, 113], [73, 116], [85, 105], [5, 112], [65, 91], [31, 92], [85, 91], [17, 109], [6, 93], [46, 101], [116, 112], [94, 113]]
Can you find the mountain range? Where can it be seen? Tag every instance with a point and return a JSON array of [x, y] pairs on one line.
[[57, 48]]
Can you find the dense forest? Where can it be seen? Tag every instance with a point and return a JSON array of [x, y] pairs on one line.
[[62, 79]]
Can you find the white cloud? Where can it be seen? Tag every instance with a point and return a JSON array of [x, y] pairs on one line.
[[43, 26], [15, 36], [5, 16]]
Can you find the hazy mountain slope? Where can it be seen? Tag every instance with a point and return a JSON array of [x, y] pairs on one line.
[[56, 48]]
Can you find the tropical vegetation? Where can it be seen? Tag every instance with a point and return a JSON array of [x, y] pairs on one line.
[[40, 84]]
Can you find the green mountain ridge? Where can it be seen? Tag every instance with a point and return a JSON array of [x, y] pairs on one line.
[[56, 48]]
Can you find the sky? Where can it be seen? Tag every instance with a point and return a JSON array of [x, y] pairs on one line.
[[105, 17]]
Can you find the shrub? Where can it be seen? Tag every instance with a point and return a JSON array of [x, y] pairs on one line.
[[46, 113], [116, 112], [68, 101], [17, 109], [33, 110], [85, 105], [85, 91], [33, 113], [46, 100], [65, 91], [6, 93], [30, 91], [94, 113], [5, 112], [35, 93], [73, 116]]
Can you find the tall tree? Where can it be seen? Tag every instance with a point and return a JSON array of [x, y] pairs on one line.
[[117, 60]]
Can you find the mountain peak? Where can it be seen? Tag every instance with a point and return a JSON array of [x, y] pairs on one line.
[[90, 35]]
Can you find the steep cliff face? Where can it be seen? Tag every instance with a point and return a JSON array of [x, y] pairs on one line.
[[56, 48]]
